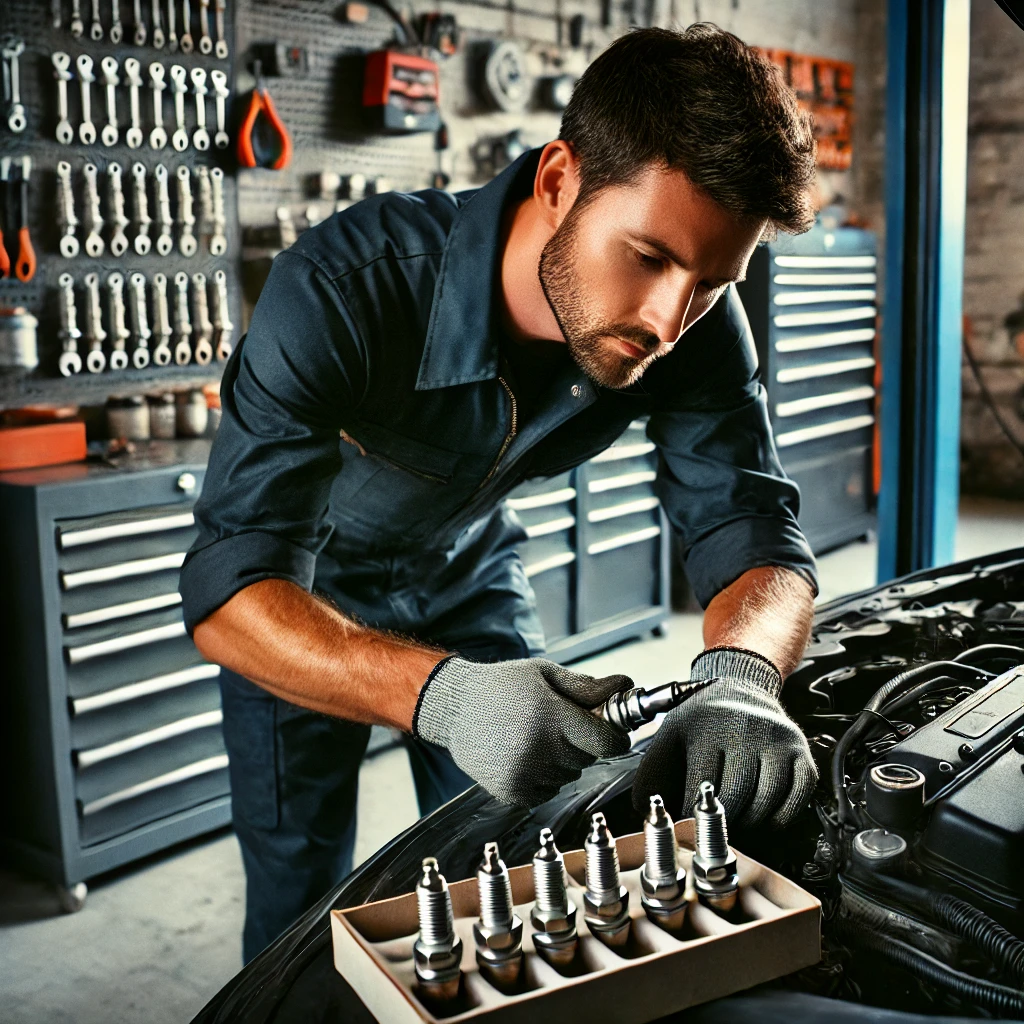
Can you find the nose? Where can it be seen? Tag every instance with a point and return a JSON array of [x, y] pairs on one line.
[[667, 304]]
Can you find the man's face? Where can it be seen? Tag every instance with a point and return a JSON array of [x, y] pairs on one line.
[[639, 264]]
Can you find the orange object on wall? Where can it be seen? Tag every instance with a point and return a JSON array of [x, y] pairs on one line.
[[45, 445]]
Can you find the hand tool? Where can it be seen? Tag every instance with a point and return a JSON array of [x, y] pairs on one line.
[[141, 207], [218, 240], [606, 899], [96, 26], [12, 50], [133, 72], [221, 91], [91, 216], [662, 880], [553, 915], [140, 321], [95, 335], [140, 25], [200, 137], [205, 40], [108, 68], [222, 325], [182, 323], [19, 342], [86, 130], [70, 361], [179, 86], [172, 36], [161, 321], [437, 952], [261, 111], [401, 91], [62, 72], [636, 706], [205, 219], [220, 50], [5, 178], [286, 227], [714, 863], [118, 329], [66, 211], [118, 239], [77, 27], [498, 932], [164, 241], [186, 26], [158, 26], [187, 243], [116, 28], [25, 268], [157, 82], [204, 327]]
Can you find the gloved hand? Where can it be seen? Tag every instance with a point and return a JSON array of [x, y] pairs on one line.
[[736, 734], [520, 728]]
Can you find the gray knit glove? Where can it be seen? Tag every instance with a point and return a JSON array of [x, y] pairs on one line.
[[522, 729], [736, 734]]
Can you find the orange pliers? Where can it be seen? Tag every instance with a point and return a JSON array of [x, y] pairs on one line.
[[263, 140]]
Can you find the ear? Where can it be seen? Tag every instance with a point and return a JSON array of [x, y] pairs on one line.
[[557, 182]]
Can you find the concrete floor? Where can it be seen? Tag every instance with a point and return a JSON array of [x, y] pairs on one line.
[[157, 940]]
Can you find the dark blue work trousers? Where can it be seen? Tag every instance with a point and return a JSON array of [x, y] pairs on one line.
[[295, 773]]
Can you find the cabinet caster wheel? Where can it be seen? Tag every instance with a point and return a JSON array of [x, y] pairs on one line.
[[660, 630], [72, 899]]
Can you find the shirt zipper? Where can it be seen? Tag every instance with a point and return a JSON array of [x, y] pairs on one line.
[[512, 428]]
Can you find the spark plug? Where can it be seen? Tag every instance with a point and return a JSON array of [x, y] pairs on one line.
[[606, 900], [437, 953], [714, 863], [662, 880], [498, 932], [636, 706], [553, 915]]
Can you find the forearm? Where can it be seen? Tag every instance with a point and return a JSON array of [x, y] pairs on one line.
[[767, 610], [306, 651]]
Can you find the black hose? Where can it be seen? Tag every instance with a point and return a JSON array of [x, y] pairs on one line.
[[990, 651]]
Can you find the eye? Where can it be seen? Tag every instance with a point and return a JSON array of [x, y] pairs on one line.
[[647, 261]]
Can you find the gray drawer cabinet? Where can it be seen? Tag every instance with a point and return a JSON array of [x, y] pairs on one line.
[[598, 553], [110, 733]]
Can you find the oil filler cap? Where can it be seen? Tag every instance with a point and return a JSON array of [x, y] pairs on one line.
[[876, 845], [895, 795]]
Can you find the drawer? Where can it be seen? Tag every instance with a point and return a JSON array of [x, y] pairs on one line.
[[623, 531], [547, 552], [827, 435], [839, 482], [625, 577], [531, 493], [555, 591], [113, 639]]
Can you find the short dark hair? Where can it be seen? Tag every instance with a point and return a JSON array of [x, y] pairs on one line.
[[706, 103]]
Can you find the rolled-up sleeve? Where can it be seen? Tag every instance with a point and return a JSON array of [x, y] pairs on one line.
[[287, 391], [719, 477]]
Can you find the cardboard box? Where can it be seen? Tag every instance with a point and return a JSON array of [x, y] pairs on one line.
[[777, 931]]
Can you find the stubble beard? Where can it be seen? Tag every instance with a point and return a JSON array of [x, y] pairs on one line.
[[586, 338]]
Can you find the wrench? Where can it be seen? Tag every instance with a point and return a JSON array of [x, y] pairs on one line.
[[161, 321], [77, 27], [62, 72], [204, 350], [118, 239], [222, 324], [205, 201], [132, 70], [70, 361], [96, 27], [186, 26], [140, 25], [142, 217], [116, 28], [187, 243], [140, 321], [164, 241], [221, 91], [96, 359], [221, 49], [158, 28], [68, 220], [179, 86], [172, 36], [158, 136], [108, 67], [12, 84], [205, 42], [86, 130], [218, 240], [182, 324], [200, 137], [118, 329], [94, 244]]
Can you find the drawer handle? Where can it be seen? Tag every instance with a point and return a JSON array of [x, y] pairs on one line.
[[186, 483], [801, 405], [599, 515], [554, 562], [74, 620], [122, 570], [791, 437], [827, 316], [796, 373], [613, 483], [823, 262], [95, 534], [824, 279], [624, 540], [551, 526], [825, 295], [189, 771], [143, 688], [812, 341], [94, 755], [76, 655], [624, 451], [528, 501]]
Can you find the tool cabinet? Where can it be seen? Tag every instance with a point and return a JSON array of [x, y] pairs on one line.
[[110, 736]]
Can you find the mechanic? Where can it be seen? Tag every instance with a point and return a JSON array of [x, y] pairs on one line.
[[413, 359]]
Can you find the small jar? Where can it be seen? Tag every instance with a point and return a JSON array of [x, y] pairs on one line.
[[127, 418], [191, 414], [161, 416]]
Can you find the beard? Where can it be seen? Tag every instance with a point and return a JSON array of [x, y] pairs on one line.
[[587, 337]]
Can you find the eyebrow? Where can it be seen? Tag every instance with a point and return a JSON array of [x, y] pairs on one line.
[[674, 257]]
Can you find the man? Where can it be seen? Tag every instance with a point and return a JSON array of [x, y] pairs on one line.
[[412, 360]]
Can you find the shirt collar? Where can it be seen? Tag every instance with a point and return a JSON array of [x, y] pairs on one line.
[[462, 342]]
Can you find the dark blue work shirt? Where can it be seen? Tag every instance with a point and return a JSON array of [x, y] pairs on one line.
[[368, 412]]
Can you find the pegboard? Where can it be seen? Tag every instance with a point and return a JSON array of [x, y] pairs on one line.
[[33, 22]]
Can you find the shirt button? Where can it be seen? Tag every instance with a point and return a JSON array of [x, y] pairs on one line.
[[576, 391]]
